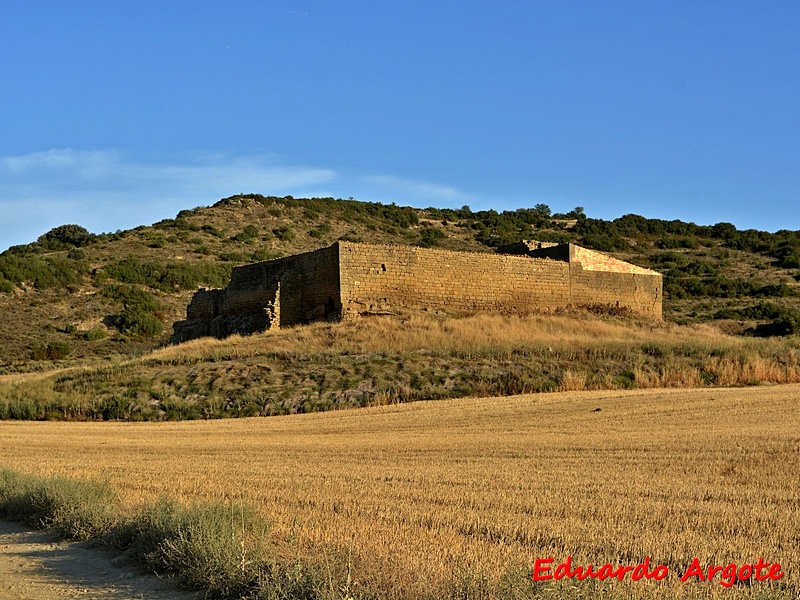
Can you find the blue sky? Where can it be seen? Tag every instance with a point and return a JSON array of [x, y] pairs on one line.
[[119, 113]]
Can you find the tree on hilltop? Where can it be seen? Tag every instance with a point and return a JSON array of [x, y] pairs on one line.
[[66, 236]]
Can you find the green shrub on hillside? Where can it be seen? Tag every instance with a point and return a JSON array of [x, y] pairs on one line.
[[168, 276], [51, 351], [264, 254], [66, 236], [284, 233], [138, 317], [129, 295], [211, 230], [321, 229], [136, 322], [42, 272], [247, 235], [430, 237], [94, 335], [234, 257], [785, 321]]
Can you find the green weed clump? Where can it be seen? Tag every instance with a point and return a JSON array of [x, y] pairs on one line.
[[76, 510], [52, 351], [221, 548]]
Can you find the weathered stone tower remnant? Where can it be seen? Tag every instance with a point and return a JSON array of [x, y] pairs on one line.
[[347, 280]]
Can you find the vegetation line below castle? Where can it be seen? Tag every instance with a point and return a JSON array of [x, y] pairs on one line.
[[386, 360]]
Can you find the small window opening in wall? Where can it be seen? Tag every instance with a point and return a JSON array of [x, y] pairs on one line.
[[383, 268]]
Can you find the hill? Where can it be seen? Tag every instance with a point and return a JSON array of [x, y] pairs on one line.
[[73, 297]]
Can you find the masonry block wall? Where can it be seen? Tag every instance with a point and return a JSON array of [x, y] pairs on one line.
[[596, 278], [375, 278], [348, 280]]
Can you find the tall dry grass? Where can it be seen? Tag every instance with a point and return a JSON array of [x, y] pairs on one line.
[[389, 360], [569, 336], [469, 335]]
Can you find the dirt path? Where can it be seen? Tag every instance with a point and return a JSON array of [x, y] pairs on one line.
[[34, 567]]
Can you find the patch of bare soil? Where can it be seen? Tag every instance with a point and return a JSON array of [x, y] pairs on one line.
[[35, 567]]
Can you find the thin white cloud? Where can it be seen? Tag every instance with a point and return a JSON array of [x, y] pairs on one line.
[[104, 191], [111, 171], [51, 159], [416, 190]]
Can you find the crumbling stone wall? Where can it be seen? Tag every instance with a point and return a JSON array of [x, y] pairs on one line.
[[275, 293], [347, 280]]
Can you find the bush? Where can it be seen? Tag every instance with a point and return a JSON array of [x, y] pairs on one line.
[[249, 233], [76, 254], [129, 295], [219, 547], [52, 351], [138, 317], [785, 321], [66, 236], [94, 335], [168, 276], [284, 233], [605, 243], [76, 509], [430, 237], [264, 254], [235, 257], [137, 322], [48, 272], [211, 230], [776, 290]]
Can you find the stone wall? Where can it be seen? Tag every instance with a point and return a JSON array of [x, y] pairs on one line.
[[596, 278], [597, 261], [306, 286], [641, 293], [281, 292], [377, 278], [347, 280]]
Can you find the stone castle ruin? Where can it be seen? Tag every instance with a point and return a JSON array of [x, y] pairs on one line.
[[348, 280]]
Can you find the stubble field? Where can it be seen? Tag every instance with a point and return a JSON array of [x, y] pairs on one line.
[[457, 498]]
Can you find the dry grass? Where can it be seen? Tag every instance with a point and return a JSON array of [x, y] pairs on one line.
[[479, 334], [386, 360], [457, 498], [471, 334]]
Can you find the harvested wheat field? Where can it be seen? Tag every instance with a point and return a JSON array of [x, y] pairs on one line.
[[458, 498]]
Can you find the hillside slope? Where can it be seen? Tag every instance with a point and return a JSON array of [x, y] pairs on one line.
[[73, 297]]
